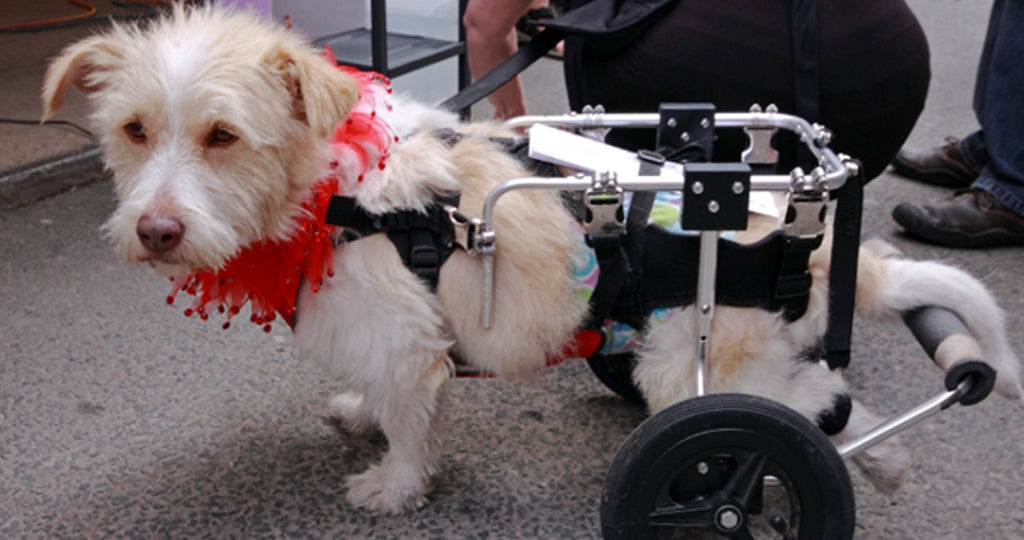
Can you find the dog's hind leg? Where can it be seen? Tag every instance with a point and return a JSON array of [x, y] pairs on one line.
[[883, 464], [349, 409]]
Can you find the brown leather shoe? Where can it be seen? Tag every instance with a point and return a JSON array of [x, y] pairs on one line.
[[941, 166], [971, 219]]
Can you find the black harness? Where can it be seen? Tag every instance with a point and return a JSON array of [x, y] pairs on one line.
[[424, 240]]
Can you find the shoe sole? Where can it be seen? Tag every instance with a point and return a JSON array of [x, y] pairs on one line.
[[936, 177], [915, 225]]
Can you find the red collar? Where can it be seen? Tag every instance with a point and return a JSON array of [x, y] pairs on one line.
[[267, 274]]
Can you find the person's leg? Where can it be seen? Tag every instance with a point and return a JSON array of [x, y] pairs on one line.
[[991, 213], [871, 98], [999, 105], [731, 54], [738, 53], [954, 164], [972, 153], [490, 39]]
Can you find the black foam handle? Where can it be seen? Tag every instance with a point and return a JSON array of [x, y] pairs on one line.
[[950, 345]]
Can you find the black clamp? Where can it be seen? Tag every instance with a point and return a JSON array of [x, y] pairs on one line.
[[716, 196], [686, 131]]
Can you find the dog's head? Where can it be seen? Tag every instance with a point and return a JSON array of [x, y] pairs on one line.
[[214, 124]]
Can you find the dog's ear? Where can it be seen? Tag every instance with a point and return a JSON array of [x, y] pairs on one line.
[[322, 94], [81, 65]]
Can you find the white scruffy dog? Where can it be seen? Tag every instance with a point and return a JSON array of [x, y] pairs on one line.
[[225, 134]]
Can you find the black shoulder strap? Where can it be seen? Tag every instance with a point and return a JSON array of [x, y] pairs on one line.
[[527, 54], [609, 25]]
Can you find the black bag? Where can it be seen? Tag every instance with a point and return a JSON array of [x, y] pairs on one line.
[[609, 26]]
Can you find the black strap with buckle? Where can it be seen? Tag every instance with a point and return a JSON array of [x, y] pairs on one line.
[[424, 240], [617, 292]]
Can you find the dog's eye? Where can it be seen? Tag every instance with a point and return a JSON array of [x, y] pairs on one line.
[[135, 132], [221, 137]]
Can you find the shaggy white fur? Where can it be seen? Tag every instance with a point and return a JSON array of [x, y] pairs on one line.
[[217, 121]]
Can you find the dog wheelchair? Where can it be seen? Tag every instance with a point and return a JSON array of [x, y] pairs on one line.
[[728, 465]]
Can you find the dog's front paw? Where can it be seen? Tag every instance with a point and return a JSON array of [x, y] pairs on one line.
[[383, 489]]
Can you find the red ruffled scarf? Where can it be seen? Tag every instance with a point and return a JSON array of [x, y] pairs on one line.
[[267, 274]]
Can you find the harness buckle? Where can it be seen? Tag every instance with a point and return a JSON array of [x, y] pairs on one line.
[[425, 261], [806, 205], [759, 138], [468, 232], [603, 204]]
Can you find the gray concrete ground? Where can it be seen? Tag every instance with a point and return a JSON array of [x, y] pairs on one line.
[[37, 161], [119, 417]]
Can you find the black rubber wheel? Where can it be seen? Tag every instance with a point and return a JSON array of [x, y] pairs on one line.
[[727, 466], [616, 372]]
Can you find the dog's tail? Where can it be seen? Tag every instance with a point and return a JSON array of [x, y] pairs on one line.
[[904, 284]]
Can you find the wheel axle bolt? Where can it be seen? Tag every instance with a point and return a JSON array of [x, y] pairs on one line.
[[702, 467], [728, 518]]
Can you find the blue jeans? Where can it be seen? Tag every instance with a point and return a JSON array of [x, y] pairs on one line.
[[996, 151]]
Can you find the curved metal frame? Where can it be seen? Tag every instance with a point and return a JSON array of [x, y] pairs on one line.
[[832, 172]]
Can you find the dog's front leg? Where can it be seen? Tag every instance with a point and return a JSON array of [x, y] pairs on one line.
[[376, 327], [410, 417]]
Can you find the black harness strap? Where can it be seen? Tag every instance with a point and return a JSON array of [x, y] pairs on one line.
[[747, 275], [527, 54], [620, 256], [842, 279], [793, 287], [423, 240]]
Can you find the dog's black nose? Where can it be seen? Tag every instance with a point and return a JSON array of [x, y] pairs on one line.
[[159, 234]]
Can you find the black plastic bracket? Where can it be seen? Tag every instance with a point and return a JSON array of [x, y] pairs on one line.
[[716, 196], [683, 125]]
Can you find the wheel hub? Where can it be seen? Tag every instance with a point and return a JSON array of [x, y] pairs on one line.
[[728, 518]]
